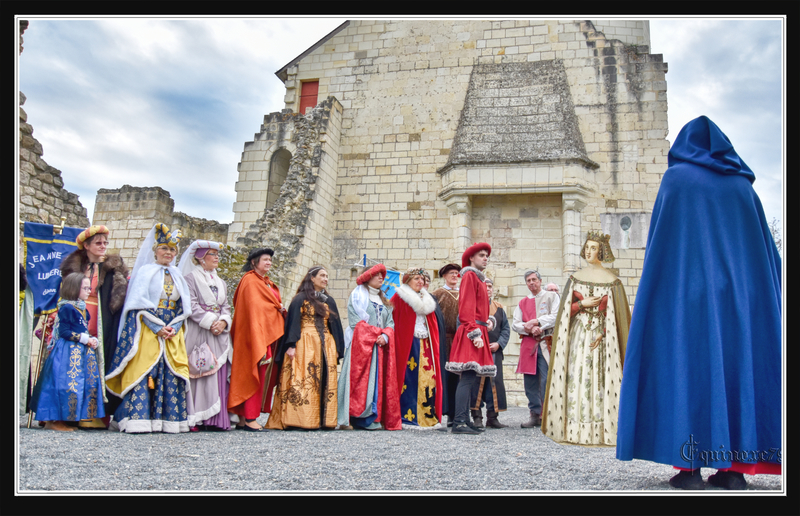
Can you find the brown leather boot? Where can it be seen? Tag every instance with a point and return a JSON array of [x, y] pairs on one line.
[[477, 418], [492, 422], [533, 422]]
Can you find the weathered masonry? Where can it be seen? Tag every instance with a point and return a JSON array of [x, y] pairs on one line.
[[430, 135]]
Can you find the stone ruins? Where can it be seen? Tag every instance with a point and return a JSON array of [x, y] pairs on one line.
[[430, 135], [418, 138]]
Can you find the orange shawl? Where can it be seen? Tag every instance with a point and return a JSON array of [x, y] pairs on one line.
[[257, 323]]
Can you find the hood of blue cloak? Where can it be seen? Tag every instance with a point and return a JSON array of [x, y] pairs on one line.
[[702, 143]]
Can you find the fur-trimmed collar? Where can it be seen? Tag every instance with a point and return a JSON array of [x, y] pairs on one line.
[[422, 303], [112, 264], [468, 268]]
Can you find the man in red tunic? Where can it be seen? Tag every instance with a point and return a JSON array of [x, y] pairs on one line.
[[470, 355], [532, 318]]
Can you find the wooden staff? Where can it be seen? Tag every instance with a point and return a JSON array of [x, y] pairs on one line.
[[57, 230], [35, 378]]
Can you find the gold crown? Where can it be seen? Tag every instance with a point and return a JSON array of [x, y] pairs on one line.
[[605, 246]]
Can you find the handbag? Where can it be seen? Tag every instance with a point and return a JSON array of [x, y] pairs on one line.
[[202, 361]]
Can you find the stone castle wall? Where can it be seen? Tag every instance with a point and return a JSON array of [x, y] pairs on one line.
[[438, 148], [42, 196], [130, 212], [298, 224]]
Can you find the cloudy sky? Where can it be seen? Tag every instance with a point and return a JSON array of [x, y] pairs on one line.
[[170, 103]]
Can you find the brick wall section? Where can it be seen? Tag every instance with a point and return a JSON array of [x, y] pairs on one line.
[[42, 196], [404, 196], [403, 86], [298, 226], [195, 228], [253, 183], [130, 212]]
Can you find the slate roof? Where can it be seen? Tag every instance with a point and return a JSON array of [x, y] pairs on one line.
[[516, 113]]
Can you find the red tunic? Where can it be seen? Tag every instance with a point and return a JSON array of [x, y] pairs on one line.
[[92, 305], [529, 347], [473, 305]]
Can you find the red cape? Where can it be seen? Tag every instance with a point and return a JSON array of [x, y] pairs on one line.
[[404, 317], [388, 406]]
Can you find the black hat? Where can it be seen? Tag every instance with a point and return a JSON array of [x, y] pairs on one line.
[[254, 254], [449, 267]]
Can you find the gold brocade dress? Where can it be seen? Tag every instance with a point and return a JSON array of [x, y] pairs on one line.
[[582, 397], [306, 393]]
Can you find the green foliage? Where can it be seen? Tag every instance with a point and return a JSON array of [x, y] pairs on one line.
[[231, 261]]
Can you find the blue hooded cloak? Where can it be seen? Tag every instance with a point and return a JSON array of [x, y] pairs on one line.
[[701, 384]]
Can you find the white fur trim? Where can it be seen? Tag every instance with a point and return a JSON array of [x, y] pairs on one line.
[[211, 411], [421, 305], [132, 353], [227, 319], [476, 271], [146, 285], [207, 320], [460, 367], [418, 428], [84, 338], [141, 426], [135, 349]]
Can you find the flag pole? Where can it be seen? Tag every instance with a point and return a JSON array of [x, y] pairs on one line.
[[57, 230], [38, 368]]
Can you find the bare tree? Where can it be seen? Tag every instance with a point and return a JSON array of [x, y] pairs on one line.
[[775, 229]]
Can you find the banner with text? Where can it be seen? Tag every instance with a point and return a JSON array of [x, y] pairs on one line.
[[44, 252]]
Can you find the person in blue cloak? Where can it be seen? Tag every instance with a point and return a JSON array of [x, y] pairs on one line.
[[701, 385]]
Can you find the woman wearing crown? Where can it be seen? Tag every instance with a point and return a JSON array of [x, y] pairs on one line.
[[589, 338], [150, 367], [417, 340]]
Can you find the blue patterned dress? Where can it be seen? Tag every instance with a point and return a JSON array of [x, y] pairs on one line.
[[69, 387], [155, 401]]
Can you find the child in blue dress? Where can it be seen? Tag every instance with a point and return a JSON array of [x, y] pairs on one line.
[[69, 387]]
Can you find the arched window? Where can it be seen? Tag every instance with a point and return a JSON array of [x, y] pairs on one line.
[[278, 169]]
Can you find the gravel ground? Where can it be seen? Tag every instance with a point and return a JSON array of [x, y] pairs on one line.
[[520, 460]]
